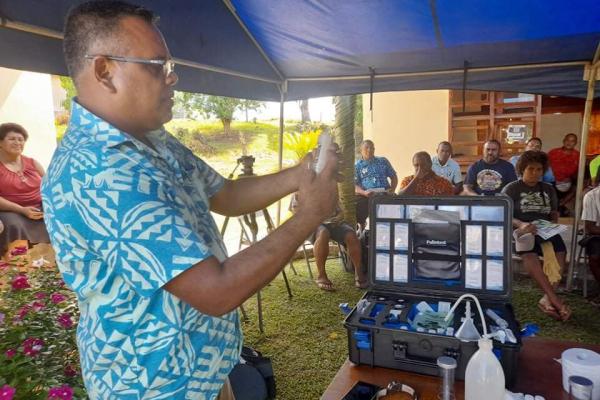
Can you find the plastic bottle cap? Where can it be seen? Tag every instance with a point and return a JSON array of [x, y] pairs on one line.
[[580, 382], [446, 362]]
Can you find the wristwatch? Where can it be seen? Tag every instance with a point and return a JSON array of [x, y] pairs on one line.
[[396, 387]]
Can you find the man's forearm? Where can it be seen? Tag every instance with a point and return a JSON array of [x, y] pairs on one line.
[[245, 195], [468, 190], [214, 288]]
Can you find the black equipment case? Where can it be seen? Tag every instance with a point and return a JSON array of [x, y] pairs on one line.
[[433, 249]]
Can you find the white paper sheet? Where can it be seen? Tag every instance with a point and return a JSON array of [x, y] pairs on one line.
[[382, 236], [487, 213], [382, 267], [400, 268], [494, 275], [473, 273], [495, 241], [401, 236], [473, 240], [390, 211]]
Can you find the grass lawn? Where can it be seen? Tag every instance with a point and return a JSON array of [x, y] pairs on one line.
[[307, 342]]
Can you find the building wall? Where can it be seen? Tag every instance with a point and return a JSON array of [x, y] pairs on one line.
[[26, 98], [404, 123], [556, 126]]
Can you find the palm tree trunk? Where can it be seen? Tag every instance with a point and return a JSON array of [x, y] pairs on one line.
[[345, 109]]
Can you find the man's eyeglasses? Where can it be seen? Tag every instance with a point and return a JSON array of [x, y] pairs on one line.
[[168, 66]]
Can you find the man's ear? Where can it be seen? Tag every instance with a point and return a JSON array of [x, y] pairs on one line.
[[104, 73]]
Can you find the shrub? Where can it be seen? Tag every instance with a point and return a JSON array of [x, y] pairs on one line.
[[38, 318]]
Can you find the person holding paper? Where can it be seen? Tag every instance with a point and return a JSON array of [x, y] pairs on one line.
[[371, 175], [536, 200]]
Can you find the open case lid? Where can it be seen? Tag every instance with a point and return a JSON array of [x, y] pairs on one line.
[[414, 251]]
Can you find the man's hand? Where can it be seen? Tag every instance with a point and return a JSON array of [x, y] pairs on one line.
[[317, 194], [32, 213], [527, 227]]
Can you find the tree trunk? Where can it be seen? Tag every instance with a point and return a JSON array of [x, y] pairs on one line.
[[304, 111], [345, 109], [226, 126]]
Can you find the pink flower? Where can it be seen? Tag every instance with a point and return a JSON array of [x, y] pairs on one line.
[[17, 251], [64, 392], [7, 392], [70, 371], [40, 295], [64, 320], [20, 282], [57, 297], [37, 306], [23, 311], [10, 353], [32, 346]]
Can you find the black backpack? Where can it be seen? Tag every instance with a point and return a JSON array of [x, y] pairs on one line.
[[253, 378]]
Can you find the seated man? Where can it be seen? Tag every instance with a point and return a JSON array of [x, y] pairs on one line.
[[535, 144], [591, 216], [489, 175], [425, 182], [565, 164], [371, 176], [443, 165], [341, 232]]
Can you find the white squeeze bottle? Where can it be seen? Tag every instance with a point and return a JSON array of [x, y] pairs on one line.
[[484, 378], [324, 144]]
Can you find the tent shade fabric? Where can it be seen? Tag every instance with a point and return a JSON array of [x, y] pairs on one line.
[[329, 39]]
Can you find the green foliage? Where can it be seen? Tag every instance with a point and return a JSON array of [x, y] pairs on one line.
[[300, 143], [38, 318], [67, 84], [193, 105]]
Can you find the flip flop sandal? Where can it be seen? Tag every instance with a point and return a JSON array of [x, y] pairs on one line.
[[549, 310], [565, 313], [326, 286], [361, 284]]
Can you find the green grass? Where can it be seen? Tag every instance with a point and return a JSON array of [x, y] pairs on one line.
[[307, 342]]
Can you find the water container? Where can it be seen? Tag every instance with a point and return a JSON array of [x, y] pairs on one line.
[[484, 378]]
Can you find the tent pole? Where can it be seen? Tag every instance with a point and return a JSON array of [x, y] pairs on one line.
[[585, 127], [283, 91]]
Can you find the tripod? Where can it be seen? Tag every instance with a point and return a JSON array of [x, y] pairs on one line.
[[249, 232]]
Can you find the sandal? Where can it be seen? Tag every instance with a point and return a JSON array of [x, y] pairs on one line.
[[564, 312], [325, 285], [361, 284], [549, 310]]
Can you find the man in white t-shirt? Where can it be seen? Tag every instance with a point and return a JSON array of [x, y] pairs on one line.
[[443, 165], [591, 218]]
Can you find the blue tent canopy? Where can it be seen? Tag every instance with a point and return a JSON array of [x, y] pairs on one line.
[[259, 48]]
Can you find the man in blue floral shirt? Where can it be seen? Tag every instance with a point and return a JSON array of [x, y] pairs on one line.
[[128, 212], [371, 176]]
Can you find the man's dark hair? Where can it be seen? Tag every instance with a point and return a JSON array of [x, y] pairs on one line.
[[367, 141], [8, 127], [531, 157], [493, 141], [570, 134], [423, 155], [92, 22], [537, 139], [445, 143]]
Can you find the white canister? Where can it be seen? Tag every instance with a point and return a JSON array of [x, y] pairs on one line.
[[584, 363]]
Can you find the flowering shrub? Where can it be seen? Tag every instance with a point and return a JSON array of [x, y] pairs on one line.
[[38, 319]]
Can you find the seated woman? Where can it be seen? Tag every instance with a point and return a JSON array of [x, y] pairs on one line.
[[20, 197], [535, 200]]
